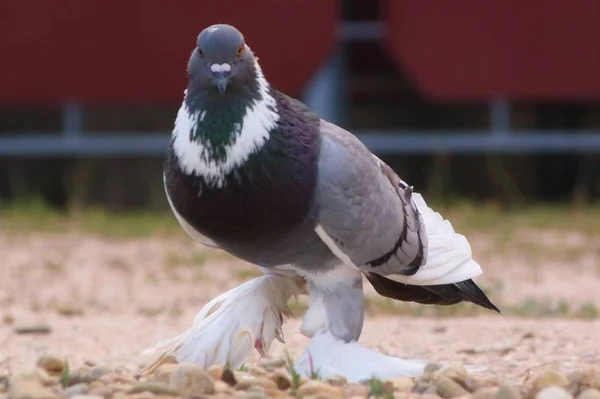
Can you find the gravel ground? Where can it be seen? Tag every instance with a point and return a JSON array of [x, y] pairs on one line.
[[102, 301]]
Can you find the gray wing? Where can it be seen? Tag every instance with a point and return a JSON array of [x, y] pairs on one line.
[[366, 213]]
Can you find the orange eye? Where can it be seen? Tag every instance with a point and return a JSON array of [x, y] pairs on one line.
[[240, 51]]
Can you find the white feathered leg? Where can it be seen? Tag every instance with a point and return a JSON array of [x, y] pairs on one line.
[[329, 356], [227, 328]]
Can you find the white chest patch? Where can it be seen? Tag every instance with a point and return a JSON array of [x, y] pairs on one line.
[[249, 136]]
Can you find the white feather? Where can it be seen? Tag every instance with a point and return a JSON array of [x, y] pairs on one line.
[[225, 330], [194, 155], [329, 356], [449, 258]]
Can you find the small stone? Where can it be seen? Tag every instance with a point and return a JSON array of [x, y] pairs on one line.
[[272, 364], [190, 380], [336, 380], [589, 394], [506, 391], [579, 381], [51, 363], [8, 319], [101, 390], [33, 329], [547, 379], [455, 371], [255, 392], [486, 393], [223, 387], [259, 372], [22, 388], [69, 308], [119, 387], [319, 390], [248, 382], [215, 371], [429, 370], [553, 392], [77, 389], [448, 388], [403, 384], [356, 390], [422, 387], [475, 383], [228, 377], [100, 371], [163, 373], [158, 389], [282, 379]]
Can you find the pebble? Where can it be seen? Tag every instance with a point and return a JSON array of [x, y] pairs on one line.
[[228, 377], [448, 388], [100, 370], [22, 388], [336, 380], [154, 388], [581, 380], [506, 391], [403, 384], [355, 390], [33, 329], [486, 393], [163, 373], [455, 371], [215, 371], [475, 383], [546, 379], [77, 389], [589, 394], [429, 369], [190, 380], [320, 390], [282, 379], [51, 363], [553, 392]]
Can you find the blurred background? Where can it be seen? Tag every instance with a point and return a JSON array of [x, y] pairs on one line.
[[495, 101]]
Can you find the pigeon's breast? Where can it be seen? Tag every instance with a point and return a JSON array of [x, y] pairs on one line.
[[263, 214]]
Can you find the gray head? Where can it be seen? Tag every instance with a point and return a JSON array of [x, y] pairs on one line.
[[221, 61]]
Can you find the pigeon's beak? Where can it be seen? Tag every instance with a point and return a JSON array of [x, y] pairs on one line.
[[221, 79], [221, 75]]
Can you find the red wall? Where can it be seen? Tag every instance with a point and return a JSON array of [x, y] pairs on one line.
[[105, 50], [477, 49]]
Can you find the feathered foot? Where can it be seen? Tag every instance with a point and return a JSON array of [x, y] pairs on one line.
[[328, 356], [228, 327]]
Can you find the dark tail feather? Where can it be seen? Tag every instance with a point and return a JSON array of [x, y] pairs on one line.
[[445, 294]]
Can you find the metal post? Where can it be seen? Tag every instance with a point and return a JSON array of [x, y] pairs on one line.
[[72, 117], [500, 118]]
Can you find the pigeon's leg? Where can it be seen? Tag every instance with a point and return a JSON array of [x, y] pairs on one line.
[[336, 303]]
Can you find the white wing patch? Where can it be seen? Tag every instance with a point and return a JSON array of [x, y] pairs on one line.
[[333, 246], [261, 117], [449, 257]]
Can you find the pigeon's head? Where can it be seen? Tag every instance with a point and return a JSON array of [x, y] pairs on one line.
[[221, 60]]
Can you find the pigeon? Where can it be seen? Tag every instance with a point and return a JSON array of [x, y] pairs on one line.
[[257, 174]]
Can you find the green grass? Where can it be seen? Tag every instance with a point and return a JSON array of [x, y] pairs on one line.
[[467, 217]]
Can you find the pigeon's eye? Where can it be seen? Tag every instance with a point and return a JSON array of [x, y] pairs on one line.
[[200, 52], [240, 51]]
